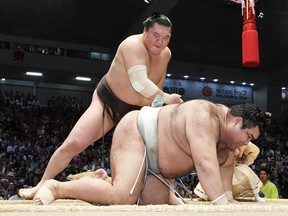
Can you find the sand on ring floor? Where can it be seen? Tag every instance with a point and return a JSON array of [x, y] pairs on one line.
[[75, 207]]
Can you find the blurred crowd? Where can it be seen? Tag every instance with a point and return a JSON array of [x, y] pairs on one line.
[[30, 133]]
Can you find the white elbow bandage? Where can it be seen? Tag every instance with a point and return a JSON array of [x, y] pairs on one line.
[[140, 82]]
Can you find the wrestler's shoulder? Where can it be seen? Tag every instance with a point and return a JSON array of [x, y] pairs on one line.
[[131, 41], [166, 53]]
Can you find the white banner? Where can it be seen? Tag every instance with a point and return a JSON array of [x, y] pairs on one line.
[[219, 93]]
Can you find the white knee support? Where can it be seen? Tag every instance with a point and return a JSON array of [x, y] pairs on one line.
[[140, 82]]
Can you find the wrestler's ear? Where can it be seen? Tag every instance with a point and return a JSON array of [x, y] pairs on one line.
[[238, 120]]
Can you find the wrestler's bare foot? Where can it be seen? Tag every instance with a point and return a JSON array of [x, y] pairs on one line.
[[29, 193], [46, 194], [102, 174], [77, 176], [99, 173]]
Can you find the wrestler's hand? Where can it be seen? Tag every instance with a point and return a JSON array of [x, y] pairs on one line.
[[172, 98], [230, 198], [234, 201], [221, 200]]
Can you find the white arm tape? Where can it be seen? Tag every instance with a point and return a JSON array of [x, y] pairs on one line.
[[140, 82]]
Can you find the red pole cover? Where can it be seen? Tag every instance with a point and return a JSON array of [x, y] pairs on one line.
[[250, 47]]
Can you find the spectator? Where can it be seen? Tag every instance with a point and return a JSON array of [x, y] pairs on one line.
[[15, 196], [268, 188]]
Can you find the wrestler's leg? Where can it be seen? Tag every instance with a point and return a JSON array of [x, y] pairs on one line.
[[173, 199], [156, 192], [86, 130], [101, 173], [93, 190], [127, 155]]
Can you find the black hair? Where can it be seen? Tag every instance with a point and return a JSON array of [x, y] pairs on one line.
[[157, 18], [265, 169], [252, 116]]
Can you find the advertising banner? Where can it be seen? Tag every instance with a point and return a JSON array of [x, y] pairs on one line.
[[219, 93]]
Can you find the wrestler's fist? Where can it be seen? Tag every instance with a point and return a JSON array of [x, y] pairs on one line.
[[172, 98]]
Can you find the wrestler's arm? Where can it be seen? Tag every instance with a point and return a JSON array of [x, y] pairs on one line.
[[226, 171], [135, 58], [161, 82], [202, 135], [172, 98]]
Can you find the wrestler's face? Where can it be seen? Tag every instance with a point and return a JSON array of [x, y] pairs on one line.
[[157, 38], [236, 136]]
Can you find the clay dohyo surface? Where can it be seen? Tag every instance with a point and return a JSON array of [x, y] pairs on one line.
[[68, 207]]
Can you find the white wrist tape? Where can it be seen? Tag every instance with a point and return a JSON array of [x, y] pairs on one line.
[[222, 199], [140, 82]]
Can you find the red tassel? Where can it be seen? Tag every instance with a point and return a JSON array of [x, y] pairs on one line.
[[250, 48]]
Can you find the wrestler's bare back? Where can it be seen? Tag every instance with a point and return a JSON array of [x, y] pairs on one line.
[[174, 150], [117, 76]]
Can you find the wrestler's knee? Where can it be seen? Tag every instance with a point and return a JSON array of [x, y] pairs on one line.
[[71, 145]]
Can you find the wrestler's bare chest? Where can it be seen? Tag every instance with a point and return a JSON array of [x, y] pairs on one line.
[[222, 155]]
